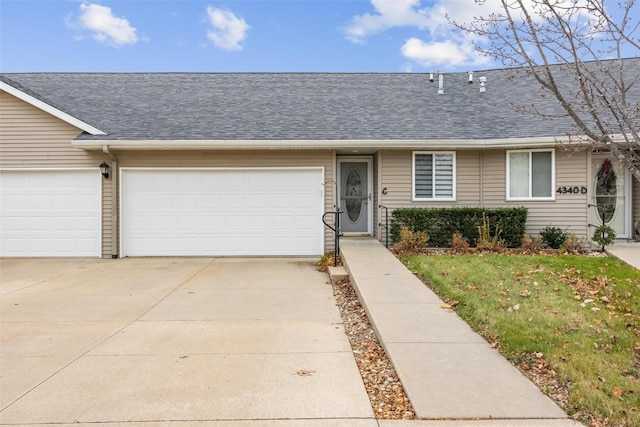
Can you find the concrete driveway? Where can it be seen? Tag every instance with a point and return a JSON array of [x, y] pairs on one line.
[[227, 341]]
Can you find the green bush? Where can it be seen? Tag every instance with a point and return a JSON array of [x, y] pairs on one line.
[[441, 223], [553, 237]]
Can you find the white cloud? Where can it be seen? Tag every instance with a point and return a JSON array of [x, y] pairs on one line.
[[389, 14], [437, 43], [104, 25], [227, 31], [453, 53]]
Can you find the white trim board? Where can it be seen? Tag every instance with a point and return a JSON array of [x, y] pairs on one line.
[[51, 109]]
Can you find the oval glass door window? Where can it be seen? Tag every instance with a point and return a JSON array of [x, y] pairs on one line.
[[606, 191], [353, 195]]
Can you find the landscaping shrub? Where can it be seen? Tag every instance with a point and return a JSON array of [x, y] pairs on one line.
[[486, 241], [441, 223], [531, 244], [553, 237], [573, 244], [412, 241], [458, 243]]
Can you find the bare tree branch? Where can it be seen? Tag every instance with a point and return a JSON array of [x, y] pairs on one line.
[[583, 41]]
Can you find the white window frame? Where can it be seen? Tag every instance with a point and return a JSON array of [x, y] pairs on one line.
[[413, 178], [552, 197]]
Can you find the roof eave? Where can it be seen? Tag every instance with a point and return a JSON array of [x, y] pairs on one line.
[[318, 144], [56, 112]]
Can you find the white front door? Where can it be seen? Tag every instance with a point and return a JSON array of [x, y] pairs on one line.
[[355, 195], [610, 195]]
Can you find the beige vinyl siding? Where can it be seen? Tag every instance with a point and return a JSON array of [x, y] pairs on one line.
[[494, 178], [481, 182], [567, 211], [248, 159], [396, 176], [33, 139]]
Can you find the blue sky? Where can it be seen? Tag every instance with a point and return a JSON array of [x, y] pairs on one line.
[[214, 35], [237, 35]]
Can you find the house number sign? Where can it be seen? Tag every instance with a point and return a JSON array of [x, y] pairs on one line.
[[572, 190]]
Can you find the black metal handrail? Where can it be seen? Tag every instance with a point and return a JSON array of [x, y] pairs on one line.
[[386, 224], [336, 231]]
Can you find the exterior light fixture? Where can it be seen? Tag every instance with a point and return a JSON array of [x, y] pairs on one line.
[[104, 170]]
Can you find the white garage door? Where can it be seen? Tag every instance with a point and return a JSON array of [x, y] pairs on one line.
[[214, 212], [50, 213]]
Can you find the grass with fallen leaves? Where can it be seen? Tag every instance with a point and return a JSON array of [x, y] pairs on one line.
[[572, 319]]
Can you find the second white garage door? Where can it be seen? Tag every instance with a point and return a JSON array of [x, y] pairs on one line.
[[50, 213], [221, 212]]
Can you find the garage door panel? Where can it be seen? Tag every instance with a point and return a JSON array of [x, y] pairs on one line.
[[50, 213], [222, 212]]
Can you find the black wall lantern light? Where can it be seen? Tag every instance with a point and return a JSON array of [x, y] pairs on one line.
[[104, 170]]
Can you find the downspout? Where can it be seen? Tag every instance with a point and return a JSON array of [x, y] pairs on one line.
[[481, 180], [114, 201]]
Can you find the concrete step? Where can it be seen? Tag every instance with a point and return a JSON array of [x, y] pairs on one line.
[[338, 273]]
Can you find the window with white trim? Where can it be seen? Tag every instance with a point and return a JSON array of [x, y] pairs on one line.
[[434, 175], [530, 174]]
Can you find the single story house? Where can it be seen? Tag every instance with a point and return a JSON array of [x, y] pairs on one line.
[[245, 164]]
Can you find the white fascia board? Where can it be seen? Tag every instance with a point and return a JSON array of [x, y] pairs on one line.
[[317, 144], [50, 109]]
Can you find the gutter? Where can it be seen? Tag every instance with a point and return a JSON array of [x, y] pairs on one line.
[[297, 144]]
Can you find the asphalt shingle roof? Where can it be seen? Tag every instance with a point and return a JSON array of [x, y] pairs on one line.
[[292, 106]]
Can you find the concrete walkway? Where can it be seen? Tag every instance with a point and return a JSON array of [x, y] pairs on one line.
[[628, 252], [448, 371]]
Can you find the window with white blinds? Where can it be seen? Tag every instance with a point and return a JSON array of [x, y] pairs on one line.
[[434, 176]]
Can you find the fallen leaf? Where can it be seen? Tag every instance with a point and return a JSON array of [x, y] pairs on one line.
[[617, 393], [305, 372]]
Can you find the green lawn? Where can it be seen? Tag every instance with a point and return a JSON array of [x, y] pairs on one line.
[[581, 313]]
